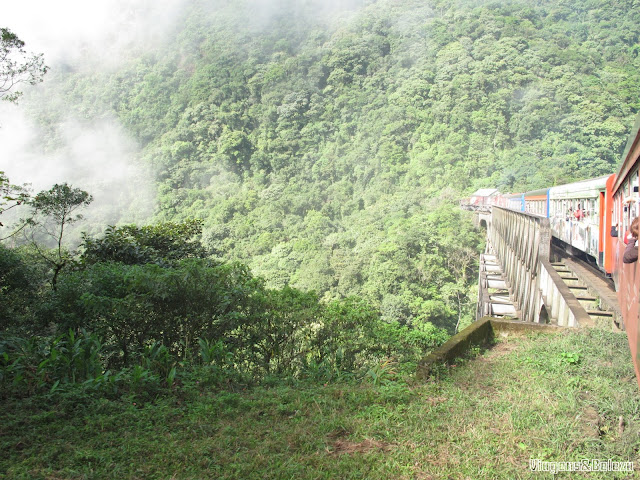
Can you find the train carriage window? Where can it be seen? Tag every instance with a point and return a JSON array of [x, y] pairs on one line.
[[625, 193], [614, 213]]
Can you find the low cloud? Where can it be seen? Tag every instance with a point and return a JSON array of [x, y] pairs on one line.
[[69, 31], [95, 156]]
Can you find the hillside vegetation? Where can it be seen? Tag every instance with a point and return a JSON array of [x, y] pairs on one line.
[[326, 148], [307, 247]]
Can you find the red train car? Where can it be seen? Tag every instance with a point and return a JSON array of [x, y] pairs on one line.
[[626, 206]]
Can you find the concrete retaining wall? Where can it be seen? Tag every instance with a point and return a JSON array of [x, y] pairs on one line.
[[479, 334]]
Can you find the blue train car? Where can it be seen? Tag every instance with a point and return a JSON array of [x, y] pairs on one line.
[[515, 201], [537, 202]]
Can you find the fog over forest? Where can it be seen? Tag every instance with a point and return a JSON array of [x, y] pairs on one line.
[[95, 152]]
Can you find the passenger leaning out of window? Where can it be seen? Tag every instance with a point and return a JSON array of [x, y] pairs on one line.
[[631, 252], [579, 213]]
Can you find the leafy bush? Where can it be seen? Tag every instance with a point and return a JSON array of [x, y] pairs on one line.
[[283, 329], [35, 364], [18, 289], [131, 306], [161, 243]]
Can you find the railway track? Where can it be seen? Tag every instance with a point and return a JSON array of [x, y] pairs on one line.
[[594, 291]]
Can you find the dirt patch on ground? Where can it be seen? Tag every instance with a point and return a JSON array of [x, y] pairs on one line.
[[432, 401], [500, 349], [590, 422], [342, 446]]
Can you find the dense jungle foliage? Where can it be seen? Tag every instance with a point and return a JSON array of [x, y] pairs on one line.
[[325, 148], [144, 308]]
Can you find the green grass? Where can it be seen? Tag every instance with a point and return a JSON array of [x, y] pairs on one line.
[[558, 398]]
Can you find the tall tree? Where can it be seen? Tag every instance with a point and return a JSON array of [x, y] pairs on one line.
[[52, 211]]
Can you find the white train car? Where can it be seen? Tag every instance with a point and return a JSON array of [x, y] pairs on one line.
[[576, 212]]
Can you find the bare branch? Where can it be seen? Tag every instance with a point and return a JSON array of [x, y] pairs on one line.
[[17, 66]]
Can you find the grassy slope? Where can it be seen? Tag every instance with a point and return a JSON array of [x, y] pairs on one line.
[[484, 418]]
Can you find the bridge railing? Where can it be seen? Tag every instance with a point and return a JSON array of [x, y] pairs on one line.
[[522, 243]]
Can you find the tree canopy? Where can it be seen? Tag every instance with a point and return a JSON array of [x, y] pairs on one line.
[[327, 149]]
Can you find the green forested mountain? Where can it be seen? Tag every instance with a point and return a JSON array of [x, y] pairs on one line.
[[327, 147], [298, 146]]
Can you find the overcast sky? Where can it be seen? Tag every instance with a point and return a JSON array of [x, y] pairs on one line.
[[62, 28]]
